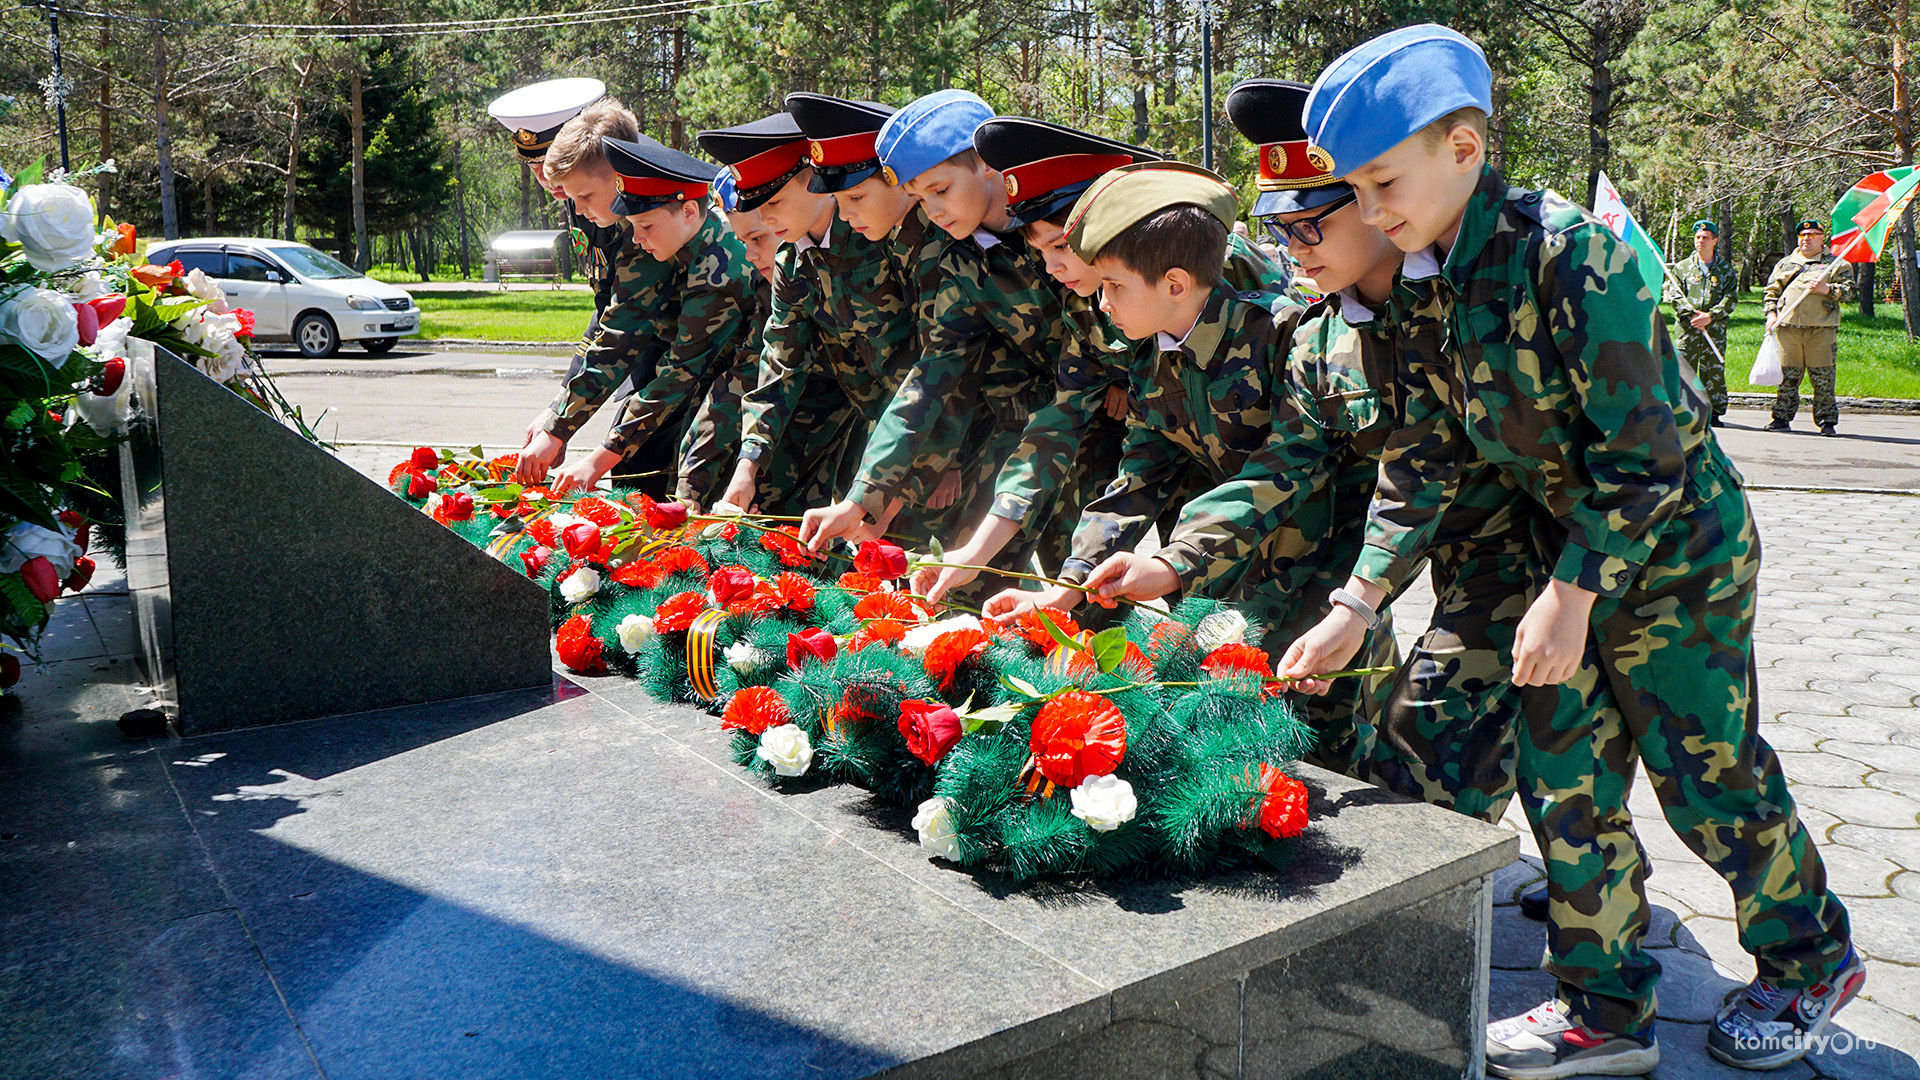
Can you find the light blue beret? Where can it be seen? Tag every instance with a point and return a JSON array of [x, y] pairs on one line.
[[928, 131], [1383, 91]]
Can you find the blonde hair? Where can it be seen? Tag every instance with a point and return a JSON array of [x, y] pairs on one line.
[[1466, 116], [577, 146]]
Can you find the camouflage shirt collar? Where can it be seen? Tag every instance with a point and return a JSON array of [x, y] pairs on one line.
[[706, 237], [1202, 341], [1477, 225]]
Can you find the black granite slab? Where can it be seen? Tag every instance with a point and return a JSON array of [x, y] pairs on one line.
[[273, 582]]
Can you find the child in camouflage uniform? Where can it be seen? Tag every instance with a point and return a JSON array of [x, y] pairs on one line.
[[1640, 647]]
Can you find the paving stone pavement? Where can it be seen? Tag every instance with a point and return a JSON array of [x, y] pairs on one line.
[[1838, 649]]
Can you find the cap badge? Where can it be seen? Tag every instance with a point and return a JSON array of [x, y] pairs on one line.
[[816, 152], [1320, 159], [892, 178], [1013, 185], [525, 137]]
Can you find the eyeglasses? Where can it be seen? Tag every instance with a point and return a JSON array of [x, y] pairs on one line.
[[1306, 230]]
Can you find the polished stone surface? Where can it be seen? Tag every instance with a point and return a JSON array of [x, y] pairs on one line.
[[273, 583]]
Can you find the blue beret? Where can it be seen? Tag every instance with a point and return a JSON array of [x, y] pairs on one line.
[[725, 193], [928, 131], [1380, 93]]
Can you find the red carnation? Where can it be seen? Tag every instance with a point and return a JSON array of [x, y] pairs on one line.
[[859, 583], [421, 485], [678, 612], [113, 372], [640, 574], [535, 559], [1234, 660], [425, 457], [754, 710], [730, 583], [42, 580], [542, 532], [245, 318], [1077, 735], [789, 591], [930, 729], [812, 642], [667, 515], [581, 539], [888, 605], [680, 557], [948, 651], [598, 510], [1032, 626], [881, 558], [876, 632], [786, 547], [82, 573], [457, 506], [578, 648], [9, 670], [1283, 804]]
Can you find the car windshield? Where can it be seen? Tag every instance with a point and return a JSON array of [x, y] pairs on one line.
[[308, 262]]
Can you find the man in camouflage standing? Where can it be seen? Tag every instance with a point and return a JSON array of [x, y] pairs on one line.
[[1803, 314], [1703, 290]]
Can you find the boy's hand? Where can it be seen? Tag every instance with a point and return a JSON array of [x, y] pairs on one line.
[[1006, 606], [1132, 576], [539, 455], [1552, 636], [874, 530], [1771, 320], [824, 524], [537, 425], [1700, 320], [744, 485], [1117, 402], [947, 491], [586, 472], [1329, 646]]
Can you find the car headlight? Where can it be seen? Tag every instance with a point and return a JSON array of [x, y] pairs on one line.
[[364, 303]]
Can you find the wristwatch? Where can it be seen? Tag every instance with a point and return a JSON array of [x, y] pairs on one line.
[[1358, 606]]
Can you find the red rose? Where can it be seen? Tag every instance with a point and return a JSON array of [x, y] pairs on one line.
[[1077, 735], [930, 729], [812, 642], [949, 651], [42, 581], [420, 485], [581, 539], [81, 531], [754, 710], [425, 457], [245, 319], [9, 670], [678, 611], [82, 573], [113, 372], [87, 321], [535, 560], [578, 648], [457, 506], [108, 307], [730, 583], [1283, 804], [666, 515], [881, 558]]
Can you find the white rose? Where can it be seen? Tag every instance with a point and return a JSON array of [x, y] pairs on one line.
[[1104, 802], [432, 504], [582, 583], [203, 287], [42, 321], [53, 222], [87, 286], [746, 658], [934, 822], [724, 508], [561, 520], [918, 638], [787, 749], [1220, 628], [27, 541], [634, 632]]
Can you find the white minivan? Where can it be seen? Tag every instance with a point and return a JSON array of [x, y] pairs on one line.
[[297, 293]]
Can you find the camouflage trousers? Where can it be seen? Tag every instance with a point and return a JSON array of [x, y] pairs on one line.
[[1712, 369], [653, 466], [1094, 467], [1786, 400], [1449, 723], [822, 446], [1668, 682]]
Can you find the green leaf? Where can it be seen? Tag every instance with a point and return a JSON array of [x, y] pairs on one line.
[[1046, 620], [477, 453], [14, 588], [988, 720], [939, 551], [1110, 648], [1022, 687], [506, 493]]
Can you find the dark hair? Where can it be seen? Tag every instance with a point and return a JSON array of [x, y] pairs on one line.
[[1185, 236], [1057, 218]]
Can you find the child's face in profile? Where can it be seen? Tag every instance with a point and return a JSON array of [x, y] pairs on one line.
[[1416, 192], [1348, 249], [1063, 265], [759, 240], [592, 191], [873, 206], [957, 197], [1138, 307], [662, 231], [793, 211]]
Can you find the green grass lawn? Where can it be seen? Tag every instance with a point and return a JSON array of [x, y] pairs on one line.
[[1876, 359], [498, 316]]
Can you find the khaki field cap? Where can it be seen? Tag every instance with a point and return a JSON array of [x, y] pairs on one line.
[[1127, 194]]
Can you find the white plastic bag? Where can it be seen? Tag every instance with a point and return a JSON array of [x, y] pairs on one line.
[[1766, 366]]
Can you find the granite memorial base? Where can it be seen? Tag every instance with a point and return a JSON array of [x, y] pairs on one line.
[[272, 582]]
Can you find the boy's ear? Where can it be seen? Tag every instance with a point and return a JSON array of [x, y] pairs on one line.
[[1469, 148], [1178, 283]]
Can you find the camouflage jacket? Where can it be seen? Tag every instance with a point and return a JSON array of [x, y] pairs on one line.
[[1692, 288], [625, 335], [1249, 269], [712, 441], [1566, 385], [1813, 309], [702, 321], [841, 304], [982, 287]]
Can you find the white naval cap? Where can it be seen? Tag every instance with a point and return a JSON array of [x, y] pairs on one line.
[[536, 113]]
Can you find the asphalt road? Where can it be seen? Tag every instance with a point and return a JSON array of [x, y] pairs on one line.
[[459, 398]]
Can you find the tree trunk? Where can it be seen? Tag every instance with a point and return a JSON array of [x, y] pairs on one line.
[[460, 210], [1863, 287], [163, 144], [1599, 100], [206, 204], [357, 118], [1909, 274], [293, 146], [106, 129]]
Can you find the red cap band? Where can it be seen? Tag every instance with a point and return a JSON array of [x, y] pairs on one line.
[[844, 149], [1285, 166], [769, 165], [1036, 178], [654, 188]]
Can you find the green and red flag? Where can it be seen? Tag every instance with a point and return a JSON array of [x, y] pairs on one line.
[[1863, 216]]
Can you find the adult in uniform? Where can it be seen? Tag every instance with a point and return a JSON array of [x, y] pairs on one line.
[[1703, 290], [1803, 314]]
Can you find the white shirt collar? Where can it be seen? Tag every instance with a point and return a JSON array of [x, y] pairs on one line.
[[1420, 264], [985, 239], [1353, 310], [801, 245], [1169, 343]]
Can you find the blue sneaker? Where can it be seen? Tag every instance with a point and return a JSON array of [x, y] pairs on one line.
[[1765, 1027]]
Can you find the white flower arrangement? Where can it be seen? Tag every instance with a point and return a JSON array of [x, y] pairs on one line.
[[634, 632]]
